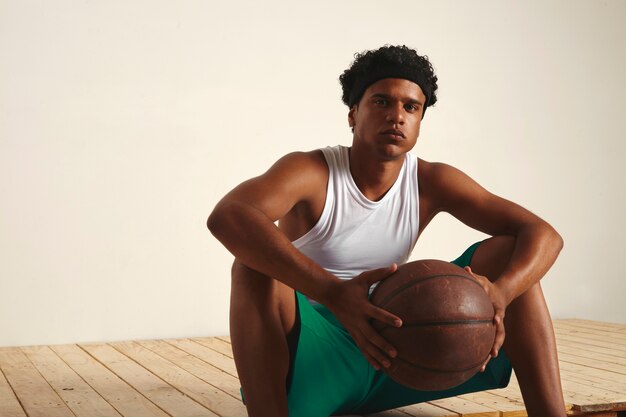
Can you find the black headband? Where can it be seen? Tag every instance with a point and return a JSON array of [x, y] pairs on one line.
[[388, 70]]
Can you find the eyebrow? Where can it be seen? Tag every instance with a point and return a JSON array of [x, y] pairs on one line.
[[387, 96]]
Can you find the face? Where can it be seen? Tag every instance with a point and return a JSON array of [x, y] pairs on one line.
[[387, 120]]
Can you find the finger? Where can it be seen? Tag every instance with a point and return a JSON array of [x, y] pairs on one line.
[[500, 336], [364, 351], [469, 269], [379, 343], [375, 364], [385, 316], [373, 355], [377, 358], [482, 368], [375, 275], [483, 281], [474, 275]]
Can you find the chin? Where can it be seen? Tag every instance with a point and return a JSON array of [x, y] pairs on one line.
[[391, 153], [396, 149]]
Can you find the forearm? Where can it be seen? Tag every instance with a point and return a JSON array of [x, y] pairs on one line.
[[256, 242], [536, 248]]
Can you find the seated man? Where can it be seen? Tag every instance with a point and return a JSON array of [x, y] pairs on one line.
[[300, 313]]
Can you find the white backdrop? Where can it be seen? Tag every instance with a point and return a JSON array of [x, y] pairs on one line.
[[122, 123]]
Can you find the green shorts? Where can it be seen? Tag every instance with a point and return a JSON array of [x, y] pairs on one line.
[[329, 375]]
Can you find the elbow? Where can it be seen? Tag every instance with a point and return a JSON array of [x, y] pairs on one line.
[[224, 220], [210, 222], [215, 221], [559, 241], [555, 239]]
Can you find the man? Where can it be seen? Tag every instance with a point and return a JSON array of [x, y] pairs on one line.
[[300, 315]]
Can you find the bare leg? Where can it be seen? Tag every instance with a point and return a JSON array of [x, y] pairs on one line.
[[530, 343], [262, 312]]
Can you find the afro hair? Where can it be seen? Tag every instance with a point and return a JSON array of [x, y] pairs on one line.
[[355, 80]]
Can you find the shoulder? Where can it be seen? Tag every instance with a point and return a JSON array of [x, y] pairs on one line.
[[299, 174], [436, 174], [446, 185], [300, 166], [314, 160]]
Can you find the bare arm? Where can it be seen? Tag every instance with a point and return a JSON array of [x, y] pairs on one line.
[[537, 243], [244, 222]]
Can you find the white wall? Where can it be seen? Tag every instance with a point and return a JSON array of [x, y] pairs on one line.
[[122, 123]]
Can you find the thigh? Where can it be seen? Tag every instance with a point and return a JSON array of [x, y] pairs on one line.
[[329, 371], [256, 293]]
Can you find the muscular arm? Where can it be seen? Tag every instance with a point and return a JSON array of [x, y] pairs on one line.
[[537, 243], [244, 222]]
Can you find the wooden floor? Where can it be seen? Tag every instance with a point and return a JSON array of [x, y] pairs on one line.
[[196, 377]]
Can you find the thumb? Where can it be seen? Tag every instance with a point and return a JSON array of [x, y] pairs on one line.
[[468, 269], [379, 274]]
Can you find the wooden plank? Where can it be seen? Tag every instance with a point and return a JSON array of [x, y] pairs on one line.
[[592, 381], [225, 339], [608, 339], [585, 371], [216, 344], [589, 399], [466, 408], [389, 413], [9, 405], [618, 370], [203, 370], [592, 353], [513, 394], [590, 344], [33, 392], [612, 340], [593, 373], [507, 407], [166, 397], [208, 355], [77, 395], [125, 399], [427, 410], [584, 343], [568, 327], [206, 394], [601, 325]]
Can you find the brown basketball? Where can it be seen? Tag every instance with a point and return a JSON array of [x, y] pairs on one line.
[[447, 329]]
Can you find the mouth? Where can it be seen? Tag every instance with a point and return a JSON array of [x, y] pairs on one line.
[[394, 133]]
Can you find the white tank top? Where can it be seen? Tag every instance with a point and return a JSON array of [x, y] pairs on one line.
[[354, 234]]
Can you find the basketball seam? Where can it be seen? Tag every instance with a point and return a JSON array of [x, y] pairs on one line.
[[440, 370], [399, 290], [439, 323]]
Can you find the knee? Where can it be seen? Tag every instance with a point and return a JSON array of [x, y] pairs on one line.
[[492, 256], [249, 286], [255, 290], [262, 297]]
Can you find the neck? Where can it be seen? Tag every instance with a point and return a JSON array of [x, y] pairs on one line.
[[374, 177]]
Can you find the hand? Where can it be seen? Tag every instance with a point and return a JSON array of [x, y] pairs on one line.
[[498, 300], [351, 306]]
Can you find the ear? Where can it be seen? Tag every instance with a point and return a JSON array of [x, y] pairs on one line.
[[351, 120]]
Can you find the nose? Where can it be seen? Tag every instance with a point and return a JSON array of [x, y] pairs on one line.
[[395, 114]]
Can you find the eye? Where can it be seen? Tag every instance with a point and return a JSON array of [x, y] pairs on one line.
[[380, 102], [411, 107]]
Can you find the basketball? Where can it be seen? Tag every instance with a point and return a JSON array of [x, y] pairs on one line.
[[447, 324]]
